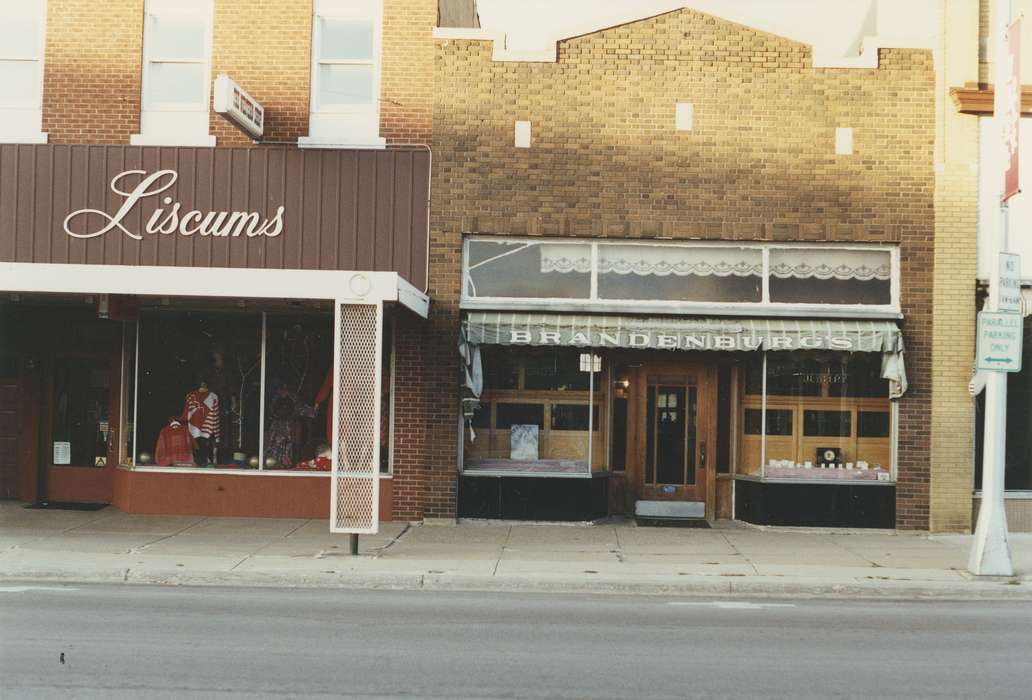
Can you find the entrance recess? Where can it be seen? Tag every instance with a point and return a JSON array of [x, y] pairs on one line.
[[79, 453], [672, 432]]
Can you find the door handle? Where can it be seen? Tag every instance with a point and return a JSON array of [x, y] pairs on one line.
[[702, 454]]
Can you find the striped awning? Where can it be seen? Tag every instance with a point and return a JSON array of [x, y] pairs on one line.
[[515, 328], [687, 333]]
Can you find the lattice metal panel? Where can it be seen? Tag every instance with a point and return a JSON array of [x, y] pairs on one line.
[[355, 497]]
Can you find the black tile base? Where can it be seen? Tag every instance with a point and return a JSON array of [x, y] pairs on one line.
[[815, 505], [533, 498]]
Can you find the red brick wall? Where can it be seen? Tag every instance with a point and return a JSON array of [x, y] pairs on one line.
[[407, 79], [266, 46], [93, 65]]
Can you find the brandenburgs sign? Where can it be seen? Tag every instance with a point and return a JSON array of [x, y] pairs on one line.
[[680, 341], [747, 335]]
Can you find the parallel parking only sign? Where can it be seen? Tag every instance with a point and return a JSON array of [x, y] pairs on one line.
[[999, 341]]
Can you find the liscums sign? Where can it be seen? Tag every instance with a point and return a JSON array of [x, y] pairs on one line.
[[170, 218]]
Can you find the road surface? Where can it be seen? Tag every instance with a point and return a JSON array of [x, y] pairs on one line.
[[157, 642]]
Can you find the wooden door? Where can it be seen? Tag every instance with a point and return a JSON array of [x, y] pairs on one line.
[[673, 432], [80, 450]]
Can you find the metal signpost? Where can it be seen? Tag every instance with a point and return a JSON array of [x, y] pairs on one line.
[[990, 552]]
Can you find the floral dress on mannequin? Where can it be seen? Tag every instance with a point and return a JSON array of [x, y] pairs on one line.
[[284, 411]]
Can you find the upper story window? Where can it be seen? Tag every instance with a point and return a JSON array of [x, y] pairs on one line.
[[345, 82], [176, 86], [22, 41], [671, 277]]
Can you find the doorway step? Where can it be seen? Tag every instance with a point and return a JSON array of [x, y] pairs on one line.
[[671, 513]]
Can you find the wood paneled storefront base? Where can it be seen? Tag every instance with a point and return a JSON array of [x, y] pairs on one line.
[[232, 495]]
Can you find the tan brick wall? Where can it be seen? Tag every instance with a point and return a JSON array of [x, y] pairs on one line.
[[956, 223], [758, 165], [92, 61]]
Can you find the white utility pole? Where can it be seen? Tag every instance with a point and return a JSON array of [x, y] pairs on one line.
[[990, 552]]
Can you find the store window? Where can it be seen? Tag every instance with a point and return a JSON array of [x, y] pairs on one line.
[[526, 269], [830, 276], [1017, 472], [22, 37], [578, 274], [818, 415], [198, 401], [536, 413], [201, 401], [688, 273], [176, 74], [298, 388], [346, 49]]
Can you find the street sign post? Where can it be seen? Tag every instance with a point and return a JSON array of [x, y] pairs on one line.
[[999, 341], [1010, 283], [990, 552]]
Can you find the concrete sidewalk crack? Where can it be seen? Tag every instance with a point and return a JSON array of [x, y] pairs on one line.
[[145, 545], [737, 552], [501, 553], [391, 542], [233, 568]]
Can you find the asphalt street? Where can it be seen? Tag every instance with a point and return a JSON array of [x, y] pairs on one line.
[[171, 642]]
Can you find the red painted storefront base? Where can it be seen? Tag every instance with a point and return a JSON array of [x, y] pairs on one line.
[[236, 495]]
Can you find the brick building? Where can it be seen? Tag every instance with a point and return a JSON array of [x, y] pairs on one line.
[[176, 292], [678, 200], [967, 218]]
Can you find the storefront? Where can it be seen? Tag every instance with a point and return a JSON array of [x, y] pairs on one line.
[[707, 380], [208, 331]]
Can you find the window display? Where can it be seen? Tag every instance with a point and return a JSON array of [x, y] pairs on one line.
[[212, 363], [824, 416], [534, 414], [199, 375]]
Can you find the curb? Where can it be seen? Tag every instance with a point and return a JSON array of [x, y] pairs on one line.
[[708, 586]]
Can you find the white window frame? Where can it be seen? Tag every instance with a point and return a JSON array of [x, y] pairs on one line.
[[24, 124], [763, 308], [352, 126], [171, 124]]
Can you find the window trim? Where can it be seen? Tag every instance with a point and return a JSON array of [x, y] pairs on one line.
[[35, 108], [335, 127], [765, 307], [183, 134]]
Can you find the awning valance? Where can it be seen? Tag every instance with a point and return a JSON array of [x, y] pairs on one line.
[[515, 328], [636, 332]]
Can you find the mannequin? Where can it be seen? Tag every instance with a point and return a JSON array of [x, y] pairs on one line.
[[201, 413]]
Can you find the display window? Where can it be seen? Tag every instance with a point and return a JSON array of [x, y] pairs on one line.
[[539, 412], [199, 388], [236, 390], [818, 416]]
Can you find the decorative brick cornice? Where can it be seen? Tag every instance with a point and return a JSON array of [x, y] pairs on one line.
[[979, 100]]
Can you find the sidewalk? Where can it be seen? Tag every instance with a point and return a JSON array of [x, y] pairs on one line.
[[731, 559]]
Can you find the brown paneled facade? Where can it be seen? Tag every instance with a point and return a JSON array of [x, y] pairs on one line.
[[139, 280]]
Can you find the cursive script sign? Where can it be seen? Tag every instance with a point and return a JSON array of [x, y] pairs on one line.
[[170, 218]]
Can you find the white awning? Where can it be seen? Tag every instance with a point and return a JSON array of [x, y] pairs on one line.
[[696, 334]]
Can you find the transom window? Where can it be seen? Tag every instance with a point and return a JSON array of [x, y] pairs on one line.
[[655, 276]]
